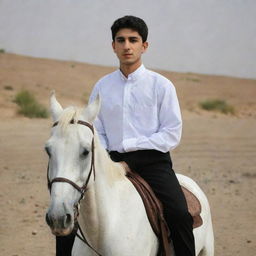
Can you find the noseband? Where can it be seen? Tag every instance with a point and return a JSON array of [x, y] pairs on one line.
[[92, 168]]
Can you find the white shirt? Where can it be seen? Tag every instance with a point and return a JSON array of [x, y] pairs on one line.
[[138, 112]]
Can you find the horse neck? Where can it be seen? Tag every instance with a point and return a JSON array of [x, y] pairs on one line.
[[109, 176], [102, 199]]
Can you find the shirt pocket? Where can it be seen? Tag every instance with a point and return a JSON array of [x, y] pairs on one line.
[[144, 108]]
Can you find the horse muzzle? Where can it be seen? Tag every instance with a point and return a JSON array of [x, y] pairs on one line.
[[60, 220]]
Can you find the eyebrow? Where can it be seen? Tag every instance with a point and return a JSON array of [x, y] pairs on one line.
[[130, 37]]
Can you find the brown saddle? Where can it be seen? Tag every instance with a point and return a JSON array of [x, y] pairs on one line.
[[155, 212]]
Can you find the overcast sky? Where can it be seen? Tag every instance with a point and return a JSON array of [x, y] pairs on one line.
[[202, 36]]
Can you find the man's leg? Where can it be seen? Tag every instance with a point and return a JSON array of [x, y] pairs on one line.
[[64, 244], [176, 213], [156, 168]]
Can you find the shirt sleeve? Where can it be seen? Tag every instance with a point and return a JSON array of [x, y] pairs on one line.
[[98, 124], [170, 125]]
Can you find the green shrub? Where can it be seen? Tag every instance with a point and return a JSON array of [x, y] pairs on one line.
[[219, 105], [85, 97], [192, 79], [8, 87], [2, 50], [29, 106]]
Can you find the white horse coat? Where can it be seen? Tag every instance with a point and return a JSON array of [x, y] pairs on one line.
[[112, 214]]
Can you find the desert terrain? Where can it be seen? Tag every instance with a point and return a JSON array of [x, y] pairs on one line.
[[217, 150]]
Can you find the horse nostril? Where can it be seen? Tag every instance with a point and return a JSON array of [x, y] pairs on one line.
[[48, 220], [67, 221]]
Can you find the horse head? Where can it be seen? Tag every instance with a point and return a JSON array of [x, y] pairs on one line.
[[71, 162]]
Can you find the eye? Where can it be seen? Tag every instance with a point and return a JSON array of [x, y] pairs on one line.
[[133, 40], [85, 152], [120, 40], [47, 149]]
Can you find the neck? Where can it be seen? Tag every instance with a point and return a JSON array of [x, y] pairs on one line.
[[99, 204], [112, 203], [128, 69]]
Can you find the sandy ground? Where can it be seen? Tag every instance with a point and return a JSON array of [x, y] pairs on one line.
[[217, 151]]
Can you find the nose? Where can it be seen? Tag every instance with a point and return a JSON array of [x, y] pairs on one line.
[[60, 220], [127, 45]]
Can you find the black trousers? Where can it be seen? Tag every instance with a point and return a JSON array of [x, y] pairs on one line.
[[64, 244], [156, 168]]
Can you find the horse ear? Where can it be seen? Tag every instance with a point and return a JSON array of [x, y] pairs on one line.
[[92, 110], [55, 107]]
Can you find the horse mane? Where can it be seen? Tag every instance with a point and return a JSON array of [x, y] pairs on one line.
[[69, 114], [115, 170]]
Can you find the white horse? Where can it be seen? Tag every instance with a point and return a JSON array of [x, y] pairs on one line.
[[112, 214]]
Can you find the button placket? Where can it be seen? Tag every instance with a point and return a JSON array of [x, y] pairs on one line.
[[127, 89]]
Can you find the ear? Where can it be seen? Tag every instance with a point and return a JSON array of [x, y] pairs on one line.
[[145, 47], [55, 107], [114, 46], [90, 112]]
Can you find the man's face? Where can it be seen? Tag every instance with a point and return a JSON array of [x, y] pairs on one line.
[[128, 46]]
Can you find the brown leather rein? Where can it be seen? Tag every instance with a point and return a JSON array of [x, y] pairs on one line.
[[82, 189]]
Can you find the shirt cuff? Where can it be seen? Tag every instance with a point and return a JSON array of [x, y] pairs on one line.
[[130, 145]]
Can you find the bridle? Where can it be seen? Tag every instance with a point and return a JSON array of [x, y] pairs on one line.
[[81, 189]]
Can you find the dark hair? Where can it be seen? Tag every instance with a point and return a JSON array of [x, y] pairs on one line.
[[133, 23]]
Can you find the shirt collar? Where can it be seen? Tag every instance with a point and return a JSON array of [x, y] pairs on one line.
[[134, 75]]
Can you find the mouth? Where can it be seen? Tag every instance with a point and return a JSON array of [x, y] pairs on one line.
[[62, 232], [127, 55]]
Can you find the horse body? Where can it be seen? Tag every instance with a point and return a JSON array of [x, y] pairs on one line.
[[112, 214]]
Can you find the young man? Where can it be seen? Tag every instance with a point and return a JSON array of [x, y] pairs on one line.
[[140, 122]]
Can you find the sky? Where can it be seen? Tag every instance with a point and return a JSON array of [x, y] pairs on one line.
[[199, 36]]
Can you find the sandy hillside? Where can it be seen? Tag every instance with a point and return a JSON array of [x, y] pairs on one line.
[[217, 151]]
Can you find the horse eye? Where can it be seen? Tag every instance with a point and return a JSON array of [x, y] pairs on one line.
[[85, 152], [48, 151]]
